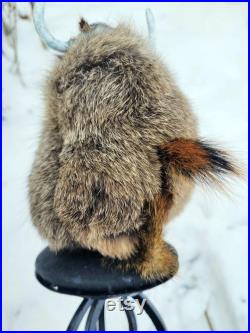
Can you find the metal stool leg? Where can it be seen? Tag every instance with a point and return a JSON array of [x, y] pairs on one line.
[[132, 324], [80, 312], [152, 313], [102, 319], [94, 314]]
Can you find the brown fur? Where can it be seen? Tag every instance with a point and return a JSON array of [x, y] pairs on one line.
[[118, 153], [159, 259], [186, 154], [121, 247]]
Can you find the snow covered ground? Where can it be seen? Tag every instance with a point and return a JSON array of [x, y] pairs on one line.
[[205, 46]]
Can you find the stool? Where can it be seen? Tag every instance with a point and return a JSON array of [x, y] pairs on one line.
[[81, 273]]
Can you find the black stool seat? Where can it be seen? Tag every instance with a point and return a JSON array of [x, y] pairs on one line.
[[82, 273]]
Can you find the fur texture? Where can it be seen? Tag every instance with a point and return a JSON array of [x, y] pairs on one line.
[[119, 153]]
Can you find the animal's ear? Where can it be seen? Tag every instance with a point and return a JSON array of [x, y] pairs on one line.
[[84, 26], [197, 160]]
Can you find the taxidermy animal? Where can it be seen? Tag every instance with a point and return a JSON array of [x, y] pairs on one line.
[[119, 151]]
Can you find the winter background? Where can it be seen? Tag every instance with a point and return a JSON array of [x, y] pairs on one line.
[[205, 46]]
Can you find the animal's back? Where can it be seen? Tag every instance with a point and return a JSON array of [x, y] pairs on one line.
[[111, 104]]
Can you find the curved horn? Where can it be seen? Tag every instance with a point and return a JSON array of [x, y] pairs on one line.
[[151, 26], [43, 32]]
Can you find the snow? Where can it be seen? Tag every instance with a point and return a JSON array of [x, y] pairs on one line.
[[205, 46]]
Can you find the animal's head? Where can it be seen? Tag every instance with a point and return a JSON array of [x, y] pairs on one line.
[[101, 74]]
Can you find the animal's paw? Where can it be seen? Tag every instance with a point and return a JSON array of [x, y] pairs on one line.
[[121, 247], [159, 263]]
